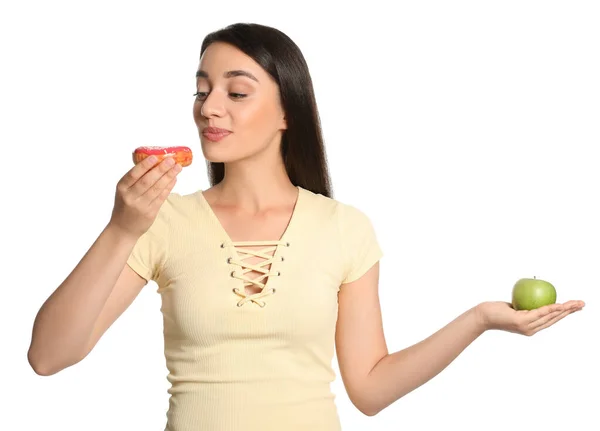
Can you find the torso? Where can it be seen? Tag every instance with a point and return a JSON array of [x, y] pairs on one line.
[[220, 347]]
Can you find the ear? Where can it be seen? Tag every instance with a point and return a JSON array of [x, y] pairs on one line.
[[283, 124]]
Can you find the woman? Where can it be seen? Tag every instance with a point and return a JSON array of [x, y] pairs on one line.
[[260, 274]]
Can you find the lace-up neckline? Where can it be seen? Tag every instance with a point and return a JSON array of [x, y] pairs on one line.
[[237, 257], [263, 282]]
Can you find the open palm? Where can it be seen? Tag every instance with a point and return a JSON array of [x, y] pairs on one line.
[[501, 315]]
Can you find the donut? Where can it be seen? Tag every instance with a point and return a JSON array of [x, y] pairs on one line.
[[181, 154]]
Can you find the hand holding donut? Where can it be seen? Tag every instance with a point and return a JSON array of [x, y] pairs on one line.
[[144, 188]]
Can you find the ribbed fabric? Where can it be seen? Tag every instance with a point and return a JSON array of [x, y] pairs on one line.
[[249, 367]]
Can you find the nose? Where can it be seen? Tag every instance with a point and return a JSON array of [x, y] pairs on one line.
[[212, 106]]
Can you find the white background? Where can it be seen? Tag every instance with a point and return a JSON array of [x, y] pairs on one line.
[[467, 131]]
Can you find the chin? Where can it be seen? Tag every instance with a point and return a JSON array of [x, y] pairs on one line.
[[215, 153]]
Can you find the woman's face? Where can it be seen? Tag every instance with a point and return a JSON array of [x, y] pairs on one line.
[[234, 93]]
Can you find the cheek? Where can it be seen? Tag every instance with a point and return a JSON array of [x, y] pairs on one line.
[[254, 119], [197, 107]]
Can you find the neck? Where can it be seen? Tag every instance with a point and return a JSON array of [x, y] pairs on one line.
[[254, 186]]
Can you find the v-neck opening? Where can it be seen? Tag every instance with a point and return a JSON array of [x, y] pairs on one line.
[[284, 238], [228, 238]]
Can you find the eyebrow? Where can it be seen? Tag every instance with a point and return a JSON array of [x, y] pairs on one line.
[[230, 74]]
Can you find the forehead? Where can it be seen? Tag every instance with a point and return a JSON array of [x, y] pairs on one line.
[[220, 58]]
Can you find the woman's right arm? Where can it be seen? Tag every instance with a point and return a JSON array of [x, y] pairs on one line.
[[102, 285], [85, 305]]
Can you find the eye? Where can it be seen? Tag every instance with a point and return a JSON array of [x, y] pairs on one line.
[[200, 95]]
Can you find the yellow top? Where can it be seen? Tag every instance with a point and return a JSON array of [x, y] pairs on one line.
[[249, 360]]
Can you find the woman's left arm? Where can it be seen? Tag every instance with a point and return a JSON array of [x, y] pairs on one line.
[[374, 379]]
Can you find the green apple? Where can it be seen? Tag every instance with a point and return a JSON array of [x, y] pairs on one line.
[[531, 293]]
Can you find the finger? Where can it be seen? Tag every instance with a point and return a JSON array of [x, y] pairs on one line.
[[150, 179], [574, 304], [162, 183], [545, 319], [531, 316], [553, 321], [138, 171], [163, 195]]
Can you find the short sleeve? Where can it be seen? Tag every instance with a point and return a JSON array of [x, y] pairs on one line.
[[360, 246], [148, 254]]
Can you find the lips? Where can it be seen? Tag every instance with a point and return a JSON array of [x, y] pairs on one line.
[[215, 134]]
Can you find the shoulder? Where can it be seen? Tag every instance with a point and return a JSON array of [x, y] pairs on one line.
[[324, 204], [174, 208], [177, 203], [347, 216]]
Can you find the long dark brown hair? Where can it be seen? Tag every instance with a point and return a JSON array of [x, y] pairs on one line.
[[302, 145]]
